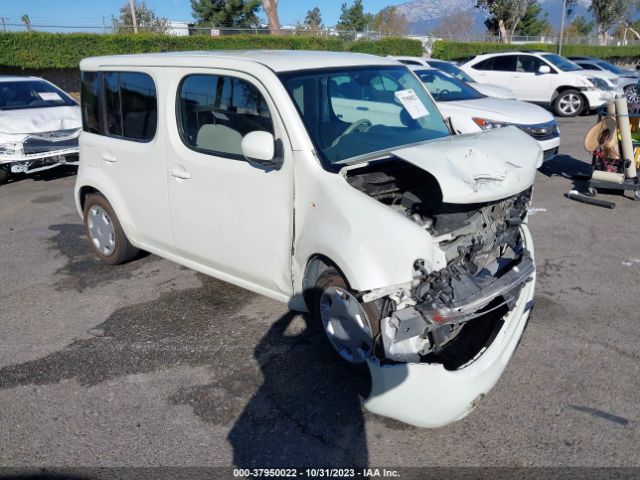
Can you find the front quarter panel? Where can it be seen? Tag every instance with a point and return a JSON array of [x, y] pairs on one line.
[[371, 244]]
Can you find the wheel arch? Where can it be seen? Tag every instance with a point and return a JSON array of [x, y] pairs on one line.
[[563, 88]]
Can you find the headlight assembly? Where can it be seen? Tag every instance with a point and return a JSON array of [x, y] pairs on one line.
[[487, 124]]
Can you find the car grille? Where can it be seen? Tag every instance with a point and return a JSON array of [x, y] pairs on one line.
[[62, 140], [542, 131]]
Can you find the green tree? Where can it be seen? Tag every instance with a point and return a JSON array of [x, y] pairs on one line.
[[353, 17], [226, 13], [504, 16], [27, 22], [313, 19], [532, 23], [146, 19], [606, 14], [389, 20], [581, 27]]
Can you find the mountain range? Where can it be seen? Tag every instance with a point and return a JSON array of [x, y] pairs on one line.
[[425, 15]]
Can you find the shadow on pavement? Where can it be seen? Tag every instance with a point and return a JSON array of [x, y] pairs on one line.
[[565, 166], [307, 412]]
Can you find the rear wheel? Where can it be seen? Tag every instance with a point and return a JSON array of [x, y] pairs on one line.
[[350, 326], [103, 228], [568, 103], [5, 171]]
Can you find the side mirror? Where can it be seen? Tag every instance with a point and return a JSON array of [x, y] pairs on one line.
[[259, 147], [544, 69]]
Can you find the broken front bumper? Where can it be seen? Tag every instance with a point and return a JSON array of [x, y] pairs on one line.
[[430, 396]]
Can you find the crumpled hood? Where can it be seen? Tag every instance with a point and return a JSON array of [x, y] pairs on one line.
[[478, 167], [39, 120]]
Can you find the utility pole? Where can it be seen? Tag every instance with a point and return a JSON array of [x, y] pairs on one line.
[[104, 25], [132, 5], [564, 11], [4, 27]]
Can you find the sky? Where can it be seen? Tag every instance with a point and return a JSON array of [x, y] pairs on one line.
[[90, 12]]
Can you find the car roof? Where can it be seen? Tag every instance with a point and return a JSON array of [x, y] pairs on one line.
[[276, 60], [17, 78]]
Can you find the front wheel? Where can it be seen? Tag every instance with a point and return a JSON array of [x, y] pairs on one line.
[[350, 326], [569, 103], [5, 171], [103, 228]]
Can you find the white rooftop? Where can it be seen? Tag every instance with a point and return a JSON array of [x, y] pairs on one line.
[[277, 60]]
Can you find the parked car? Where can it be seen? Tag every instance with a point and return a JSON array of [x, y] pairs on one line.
[[452, 69], [329, 181], [470, 111], [545, 78], [628, 78], [39, 126]]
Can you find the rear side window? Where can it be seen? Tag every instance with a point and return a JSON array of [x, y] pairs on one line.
[[90, 101], [120, 104], [505, 63], [483, 65], [216, 111], [130, 105]]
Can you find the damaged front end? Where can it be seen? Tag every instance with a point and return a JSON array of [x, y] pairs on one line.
[[30, 153], [445, 319]]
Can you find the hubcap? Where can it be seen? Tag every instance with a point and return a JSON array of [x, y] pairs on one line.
[[346, 324], [633, 94], [570, 104], [101, 230]]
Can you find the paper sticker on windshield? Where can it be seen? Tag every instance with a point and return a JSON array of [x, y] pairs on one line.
[[412, 103], [50, 96]]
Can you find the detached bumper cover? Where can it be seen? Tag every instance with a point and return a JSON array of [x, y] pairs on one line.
[[428, 395]]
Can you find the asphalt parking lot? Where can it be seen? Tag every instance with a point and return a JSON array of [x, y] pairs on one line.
[[152, 364]]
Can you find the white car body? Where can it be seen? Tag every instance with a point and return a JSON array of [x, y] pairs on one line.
[[543, 87], [498, 112], [274, 227], [37, 138], [487, 89]]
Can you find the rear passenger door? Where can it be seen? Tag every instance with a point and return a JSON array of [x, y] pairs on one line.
[[124, 143], [231, 218]]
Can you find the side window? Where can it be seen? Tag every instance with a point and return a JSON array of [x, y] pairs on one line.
[[505, 63], [589, 66], [131, 106], [529, 64], [215, 112], [484, 64], [410, 62], [139, 106], [90, 102]]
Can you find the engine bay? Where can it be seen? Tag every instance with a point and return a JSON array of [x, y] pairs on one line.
[[487, 266]]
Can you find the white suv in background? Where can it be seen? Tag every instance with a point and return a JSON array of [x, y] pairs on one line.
[[545, 78], [451, 68]]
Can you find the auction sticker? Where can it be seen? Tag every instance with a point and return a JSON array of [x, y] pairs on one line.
[[412, 103]]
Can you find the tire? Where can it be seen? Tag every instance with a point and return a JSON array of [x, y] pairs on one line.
[[5, 171], [105, 233], [569, 103], [632, 94], [328, 282]]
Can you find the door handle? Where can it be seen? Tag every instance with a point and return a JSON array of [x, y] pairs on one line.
[[180, 172], [364, 109], [107, 157]]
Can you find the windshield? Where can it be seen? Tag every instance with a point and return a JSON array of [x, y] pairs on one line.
[[611, 68], [354, 112], [562, 63], [445, 88], [451, 69], [32, 94]]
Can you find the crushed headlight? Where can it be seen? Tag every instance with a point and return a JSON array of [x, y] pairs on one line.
[[600, 83]]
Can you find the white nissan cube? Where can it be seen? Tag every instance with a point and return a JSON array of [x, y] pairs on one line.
[[329, 181]]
